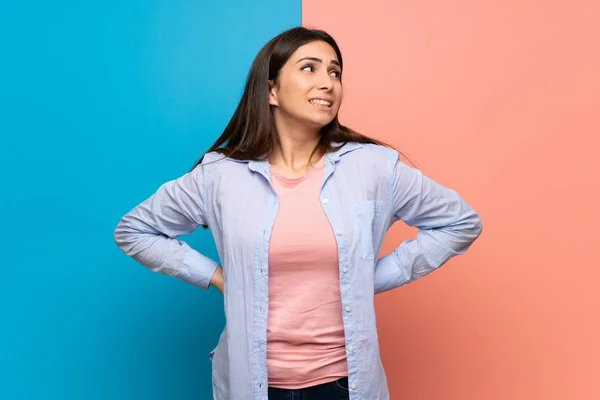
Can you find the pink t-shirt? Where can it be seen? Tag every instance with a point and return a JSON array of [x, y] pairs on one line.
[[305, 331]]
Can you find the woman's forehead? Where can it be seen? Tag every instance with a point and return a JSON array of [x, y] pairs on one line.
[[317, 49]]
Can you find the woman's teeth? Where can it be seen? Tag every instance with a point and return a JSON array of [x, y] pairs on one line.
[[321, 102]]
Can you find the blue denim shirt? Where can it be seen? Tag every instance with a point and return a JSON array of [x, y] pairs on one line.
[[365, 189]]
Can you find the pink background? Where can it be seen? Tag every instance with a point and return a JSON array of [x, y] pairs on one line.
[[499, 100]]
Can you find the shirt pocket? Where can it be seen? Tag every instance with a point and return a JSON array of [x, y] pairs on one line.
[[365, 216]]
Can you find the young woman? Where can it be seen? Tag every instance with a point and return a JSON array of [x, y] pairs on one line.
[[298, 206]]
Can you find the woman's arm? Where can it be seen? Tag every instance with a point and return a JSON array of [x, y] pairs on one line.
[[149, 232], [447, 227]]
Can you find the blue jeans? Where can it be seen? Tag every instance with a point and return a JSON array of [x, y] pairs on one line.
[[336, 390]]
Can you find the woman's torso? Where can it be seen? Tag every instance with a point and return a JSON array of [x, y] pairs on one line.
[[241, 211]]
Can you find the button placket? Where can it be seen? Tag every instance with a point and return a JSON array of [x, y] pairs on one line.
[[348, 309]]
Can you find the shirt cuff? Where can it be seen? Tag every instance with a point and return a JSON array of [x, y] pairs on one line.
[[388, 275], [197, 269]]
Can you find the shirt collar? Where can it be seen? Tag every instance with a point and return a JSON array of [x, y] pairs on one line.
[[333, 157]]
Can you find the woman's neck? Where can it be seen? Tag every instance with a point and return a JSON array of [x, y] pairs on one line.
[[292, 155], [296, 143]]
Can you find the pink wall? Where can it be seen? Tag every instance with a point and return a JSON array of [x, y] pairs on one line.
[[499, 100]]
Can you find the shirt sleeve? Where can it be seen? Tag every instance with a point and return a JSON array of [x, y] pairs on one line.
[[447, 227], [149, 232]]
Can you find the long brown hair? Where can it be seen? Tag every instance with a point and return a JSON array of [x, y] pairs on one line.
[[251, 132]]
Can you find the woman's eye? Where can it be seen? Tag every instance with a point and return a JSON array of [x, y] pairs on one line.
[[311, 68]]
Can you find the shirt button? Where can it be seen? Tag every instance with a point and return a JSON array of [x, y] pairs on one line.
[[325, 201], [339, 232], [348, 308], [353, 386], [344, 270], [351, 348]]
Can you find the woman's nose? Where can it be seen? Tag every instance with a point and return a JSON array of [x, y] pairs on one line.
[[326, 82]]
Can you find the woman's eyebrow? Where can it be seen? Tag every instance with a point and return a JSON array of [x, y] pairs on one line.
[[315, 59]]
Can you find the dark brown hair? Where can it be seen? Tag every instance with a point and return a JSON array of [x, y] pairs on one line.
[[251, 132]]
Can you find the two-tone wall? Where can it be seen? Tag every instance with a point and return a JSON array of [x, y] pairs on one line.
[[101, 102]]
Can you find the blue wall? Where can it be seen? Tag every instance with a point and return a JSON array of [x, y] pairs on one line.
[[101, 102]]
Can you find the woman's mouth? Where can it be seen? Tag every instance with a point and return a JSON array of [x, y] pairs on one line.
[[320, 103]]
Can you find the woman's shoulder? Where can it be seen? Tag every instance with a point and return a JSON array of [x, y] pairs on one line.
[[215, 160], [373, 162], [218, 167], [373, 154], [212, 157]]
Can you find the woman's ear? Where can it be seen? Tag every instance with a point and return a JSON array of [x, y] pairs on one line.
[[273, 94]]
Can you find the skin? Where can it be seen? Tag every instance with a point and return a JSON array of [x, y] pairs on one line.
[[312, 72]]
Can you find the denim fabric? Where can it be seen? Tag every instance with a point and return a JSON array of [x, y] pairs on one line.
[[336, 390]]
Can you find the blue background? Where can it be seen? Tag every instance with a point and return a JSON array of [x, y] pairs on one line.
[[101, 102]]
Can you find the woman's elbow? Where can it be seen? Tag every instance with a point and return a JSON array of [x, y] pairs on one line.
[[476, 227], [124, 237]]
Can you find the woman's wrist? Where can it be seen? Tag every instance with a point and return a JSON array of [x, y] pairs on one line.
[[217, 279]]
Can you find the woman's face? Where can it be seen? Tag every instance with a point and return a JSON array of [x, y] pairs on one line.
[[308, 89]]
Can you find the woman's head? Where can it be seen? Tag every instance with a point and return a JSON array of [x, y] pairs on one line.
[[297, 78], [306, 91]]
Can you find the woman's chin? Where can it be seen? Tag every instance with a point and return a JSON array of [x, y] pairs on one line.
[[320, 122]]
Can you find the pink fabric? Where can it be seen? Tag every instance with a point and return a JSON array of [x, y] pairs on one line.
[[305, 332]]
